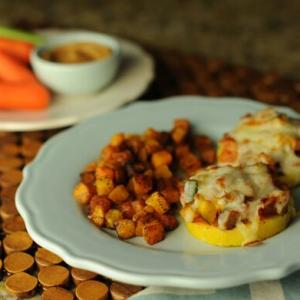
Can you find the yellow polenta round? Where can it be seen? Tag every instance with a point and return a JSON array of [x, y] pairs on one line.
[[241, 234]]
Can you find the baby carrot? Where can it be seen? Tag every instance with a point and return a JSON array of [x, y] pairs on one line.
[[19, 49]]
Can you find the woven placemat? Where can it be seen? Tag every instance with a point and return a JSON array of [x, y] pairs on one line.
[[176, 74]]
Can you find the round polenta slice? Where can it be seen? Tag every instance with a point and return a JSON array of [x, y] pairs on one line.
[[235, 206]]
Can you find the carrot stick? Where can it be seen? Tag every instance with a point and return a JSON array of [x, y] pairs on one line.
[[27, 95], [19, 49], [19, 89], [12, 69]]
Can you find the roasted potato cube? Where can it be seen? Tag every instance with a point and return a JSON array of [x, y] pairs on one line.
[[104, 185], [82, 193], [102, 203], [158, 202], [161, 158], [141, 184], [163, 171], [112, 216], [125, 229], [119, 194], [121, 158], [180, 130], [190, 163], [87, 177], [120, 176], [208, 155], [127, 209], [152, 146], [151, 133], [138, 205], [117, 139], [134, 143], [153, 232], [182, 150], [104, 171], [91, 167], [170, 222], [142, 219], [97, 216]]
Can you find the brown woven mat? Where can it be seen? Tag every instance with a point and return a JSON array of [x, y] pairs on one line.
[[175, 74]]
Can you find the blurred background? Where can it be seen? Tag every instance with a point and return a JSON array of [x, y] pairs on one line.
[[261, 34]]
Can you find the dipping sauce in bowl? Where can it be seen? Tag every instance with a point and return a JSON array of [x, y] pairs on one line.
[[77, 62], [77, 52]]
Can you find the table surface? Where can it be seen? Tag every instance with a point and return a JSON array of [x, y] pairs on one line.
[[176, 74]]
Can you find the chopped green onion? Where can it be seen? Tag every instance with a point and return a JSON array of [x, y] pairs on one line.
[[190, 189]]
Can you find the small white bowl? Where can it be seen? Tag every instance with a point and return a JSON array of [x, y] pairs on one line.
[[76, 78]]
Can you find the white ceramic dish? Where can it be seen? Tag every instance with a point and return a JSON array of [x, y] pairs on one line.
[[54, 220], [77, 78], [135, 74]]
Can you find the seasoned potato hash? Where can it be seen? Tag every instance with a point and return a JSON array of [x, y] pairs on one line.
[[134, 186]]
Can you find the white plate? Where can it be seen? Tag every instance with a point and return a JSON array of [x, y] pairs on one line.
[[54, 220], [134, 76]]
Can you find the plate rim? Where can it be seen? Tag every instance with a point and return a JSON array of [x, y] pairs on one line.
[[134, 277]]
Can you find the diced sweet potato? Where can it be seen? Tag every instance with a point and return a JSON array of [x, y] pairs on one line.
[[117, 139], [112, 216], [125, 229], [182, 150], [119, 194], [190, 163], [158, 202], [104, 171], [142, 184], [91, 167], [153, 232], [152, 146], [180, 131], [170, 222], [87, 177], [163, 171], [101, 202], [104, 185], [82, 193], [138, 205], [161, 158], [151, 133], [96, 216], [127, 209]]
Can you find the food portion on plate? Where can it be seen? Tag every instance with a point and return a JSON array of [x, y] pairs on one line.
[[19, 87], [134, 186], [266, 136], [235, 206], [77, 52]]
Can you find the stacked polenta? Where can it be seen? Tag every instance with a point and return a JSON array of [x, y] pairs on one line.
[[245, 198]]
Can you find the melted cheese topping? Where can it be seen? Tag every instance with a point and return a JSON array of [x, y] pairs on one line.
[[269, 137], [242, 190]]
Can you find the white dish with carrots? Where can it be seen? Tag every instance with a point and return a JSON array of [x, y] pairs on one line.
[[179, 260], [29, 105]]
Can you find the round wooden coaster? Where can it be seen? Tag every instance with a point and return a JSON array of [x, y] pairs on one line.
[[79, 275], [91, 290], [17, 241], [10, 149], [122, 291], [8, 209], [13, 224], [53, 276], [21, 285], [10, 178], [18, 262], [30, 148], [8, 163], [8, 194], [57, 293], [45, 258]]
